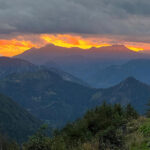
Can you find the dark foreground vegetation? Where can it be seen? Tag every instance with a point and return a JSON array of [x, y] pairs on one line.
[[108, 127]]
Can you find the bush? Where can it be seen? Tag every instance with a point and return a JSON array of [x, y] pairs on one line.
[[39, 141], [107, 122]]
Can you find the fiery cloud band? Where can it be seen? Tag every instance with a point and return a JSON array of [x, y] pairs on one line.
[[16, 46], [69, 41]]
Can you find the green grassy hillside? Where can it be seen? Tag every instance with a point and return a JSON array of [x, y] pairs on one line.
[[138, 136]]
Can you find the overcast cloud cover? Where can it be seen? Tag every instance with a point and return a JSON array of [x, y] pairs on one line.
[[118, 17]]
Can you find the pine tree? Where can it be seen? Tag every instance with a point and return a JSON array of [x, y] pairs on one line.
[[131, 112], [148, 110]]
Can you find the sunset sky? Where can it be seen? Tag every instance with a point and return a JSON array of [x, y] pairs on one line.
[[73, 23]]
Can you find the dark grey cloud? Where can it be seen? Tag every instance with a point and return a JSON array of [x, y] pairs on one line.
[[119, 17]]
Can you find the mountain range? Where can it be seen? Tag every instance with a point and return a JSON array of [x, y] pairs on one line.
[[10, 66], [56, 97], [83, 64], [64, 55], [47, 95], [109, 76], [51, 98], [129, 91], [99, 78]]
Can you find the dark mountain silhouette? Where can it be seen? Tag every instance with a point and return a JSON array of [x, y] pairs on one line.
[[59, 54], [16, 122]]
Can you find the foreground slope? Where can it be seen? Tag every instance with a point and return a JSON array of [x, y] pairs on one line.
[[16, 122]]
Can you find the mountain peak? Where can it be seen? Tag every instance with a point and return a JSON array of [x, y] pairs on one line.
[[120, 46], [129, 82], [59, 54], [130, 79]]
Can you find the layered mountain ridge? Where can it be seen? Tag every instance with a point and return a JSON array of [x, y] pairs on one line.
[[51, 97], [84, 64], [109, 76], [59, 54]]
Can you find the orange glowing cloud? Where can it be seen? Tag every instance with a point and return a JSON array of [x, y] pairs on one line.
[[136, 49], [68, 41], [14, 47], [19, 44], [137, 46]]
